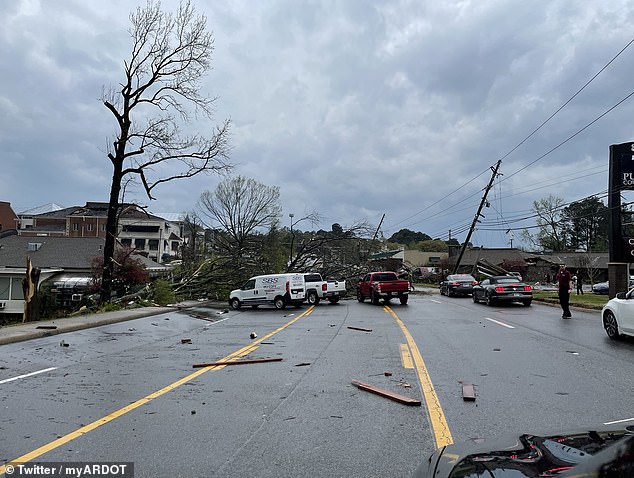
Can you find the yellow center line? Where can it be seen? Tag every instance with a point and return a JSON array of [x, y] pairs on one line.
[[439, 425], [406, 357], [142, 401]]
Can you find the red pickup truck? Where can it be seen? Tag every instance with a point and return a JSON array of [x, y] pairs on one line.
[[383, 285]]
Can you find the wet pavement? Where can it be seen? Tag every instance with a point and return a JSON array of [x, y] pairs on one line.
[[46, 328]]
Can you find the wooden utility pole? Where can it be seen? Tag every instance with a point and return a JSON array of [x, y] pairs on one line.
[[478, 214], [378, 228]]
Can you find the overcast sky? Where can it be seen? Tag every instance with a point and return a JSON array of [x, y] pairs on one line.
[[354, 109]]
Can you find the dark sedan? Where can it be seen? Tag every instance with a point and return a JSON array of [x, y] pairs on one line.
[[502, 289], [457, 284], [600, 452]]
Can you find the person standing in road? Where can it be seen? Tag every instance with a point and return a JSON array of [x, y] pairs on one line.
[[564, 286], [579, 285]]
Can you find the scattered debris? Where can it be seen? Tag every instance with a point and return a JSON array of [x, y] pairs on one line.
[[404, 385], [46, 327], [267, 343], [336, 416], [193, 412], [290, 418], [468, 392], [132, 329], [360, 328], [572, 352], [154, 324], [497, 350], [220, 312], [238, 362], [253, 335], [64, 344], [186, 341], [303, 364], [384, 393], [387, 374], [332, 325]]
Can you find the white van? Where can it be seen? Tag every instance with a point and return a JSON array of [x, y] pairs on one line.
[[279, 290]]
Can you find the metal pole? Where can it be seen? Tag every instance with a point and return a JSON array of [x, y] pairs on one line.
[[476, 218]]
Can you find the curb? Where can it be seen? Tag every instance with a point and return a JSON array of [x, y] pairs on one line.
[[23, 332]]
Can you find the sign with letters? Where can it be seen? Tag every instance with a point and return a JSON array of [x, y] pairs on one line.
[[621, 177], [626, 163]]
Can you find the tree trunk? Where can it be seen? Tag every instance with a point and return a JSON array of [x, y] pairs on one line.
[[111, 233]]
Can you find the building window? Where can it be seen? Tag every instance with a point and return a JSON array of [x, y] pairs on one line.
[[153, 244], [90, 227], [139, 244], [4, 288], [127, 242], [16, 289], [103, 227], [76, 226]]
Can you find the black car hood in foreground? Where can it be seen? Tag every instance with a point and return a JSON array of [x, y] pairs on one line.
[[606, 452]]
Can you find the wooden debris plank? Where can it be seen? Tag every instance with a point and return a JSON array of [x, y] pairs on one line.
[[468, 392], [385, 393], [238, 362], [360, 328]]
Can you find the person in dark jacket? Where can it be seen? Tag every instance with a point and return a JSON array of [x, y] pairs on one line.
[[564, 287]]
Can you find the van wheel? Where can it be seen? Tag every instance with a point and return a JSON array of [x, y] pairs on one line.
[[360, 296], [313, 299], [279, 303], [235, 304]]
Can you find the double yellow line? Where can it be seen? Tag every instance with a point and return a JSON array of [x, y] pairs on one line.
[[439, 425], [148, 398]]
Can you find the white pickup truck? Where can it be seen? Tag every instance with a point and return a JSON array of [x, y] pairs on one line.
[[317, 289]]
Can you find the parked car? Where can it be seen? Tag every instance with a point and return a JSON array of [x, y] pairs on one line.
[[317, 289], [618, 315], [383, 285], [279, 290], [457, 284], [600, 451], [502, 289], [602, 288]]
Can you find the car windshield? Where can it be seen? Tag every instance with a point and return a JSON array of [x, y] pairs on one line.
[[507, 280], [461, 277]]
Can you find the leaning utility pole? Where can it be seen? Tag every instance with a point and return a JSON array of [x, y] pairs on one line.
[[478, 214]]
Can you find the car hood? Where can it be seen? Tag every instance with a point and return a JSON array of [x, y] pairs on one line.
[[581, 453]]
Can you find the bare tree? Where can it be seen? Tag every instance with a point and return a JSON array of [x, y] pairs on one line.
[[242, 207], [161, 90], [551, 232]]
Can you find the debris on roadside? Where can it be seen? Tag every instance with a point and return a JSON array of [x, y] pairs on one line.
[[302, 364], [468, 392], [253, 335], [186, 341], [238, 362], [387, 394], [64, 344], [360, 328], [387, 374], [47, 327]]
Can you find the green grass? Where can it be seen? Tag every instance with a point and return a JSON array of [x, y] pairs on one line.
[[588, 300]]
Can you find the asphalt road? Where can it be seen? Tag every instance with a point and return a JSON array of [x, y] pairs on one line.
[[127, 392]]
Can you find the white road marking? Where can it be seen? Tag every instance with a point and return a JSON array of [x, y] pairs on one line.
[[437, 301], [619, 421], [26, 375], [500, 323]]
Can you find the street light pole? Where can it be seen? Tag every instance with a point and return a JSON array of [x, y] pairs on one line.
[[290, 260]]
